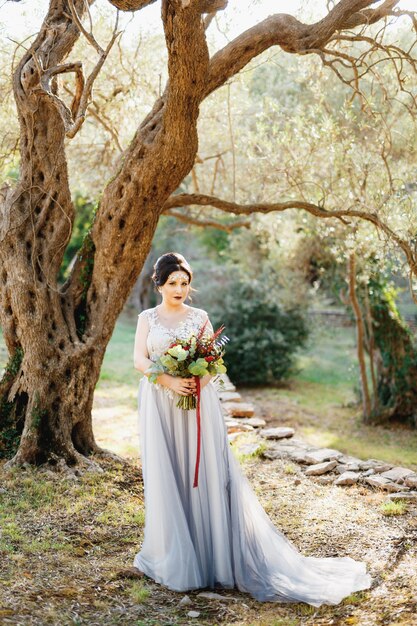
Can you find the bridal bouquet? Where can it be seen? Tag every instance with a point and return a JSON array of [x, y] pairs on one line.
[[197, 355]]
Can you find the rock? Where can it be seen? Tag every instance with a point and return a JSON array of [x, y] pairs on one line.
[[236, 427], [403, 495], [381, 482], [238, 409], [256, 422], [374, 463], [249, 449], [232, 436], [193, 613], [277, 433], [346, 459], [347, 478], [230, 396], [324, 480], [210, 595], [319, 455], [320, 468], [284, 449], [411, 481], [184, 601], [397, 474], [348, 467], [382, 467], [368, 472]]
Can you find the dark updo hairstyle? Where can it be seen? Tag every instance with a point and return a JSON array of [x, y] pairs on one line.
[[168, 263]]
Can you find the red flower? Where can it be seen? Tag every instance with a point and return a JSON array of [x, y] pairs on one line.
[[209, 359]]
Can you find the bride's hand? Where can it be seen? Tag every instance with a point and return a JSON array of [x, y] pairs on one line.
[[182, 386]]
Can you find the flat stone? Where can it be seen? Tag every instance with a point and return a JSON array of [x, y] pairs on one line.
[[320, 468], [382, 467], [347, 467], [184, 601], [397, 474], [368, 472], [347, 459], [403, 495], [411, 481], [193, 613], [238, 409], [210, 595], [285, 449], [281, 432], [324, 480], [238, 428], [256, 422], [321, 454], [347, 478], [232, 436], [230, 396], [372, 464], [249, 449], [382, 482], [294, 443]]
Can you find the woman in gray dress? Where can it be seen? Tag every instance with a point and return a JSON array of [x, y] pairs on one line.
[[215, 534]]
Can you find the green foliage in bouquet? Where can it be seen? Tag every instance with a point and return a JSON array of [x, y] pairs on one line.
[[197, 355], [263, 337]]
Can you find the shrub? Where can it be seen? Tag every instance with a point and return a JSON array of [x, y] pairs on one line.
[[263, 337]]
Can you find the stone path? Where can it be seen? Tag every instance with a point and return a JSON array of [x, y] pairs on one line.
[[326, 465]]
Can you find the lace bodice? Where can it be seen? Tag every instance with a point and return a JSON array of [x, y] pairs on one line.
[[160, 337]]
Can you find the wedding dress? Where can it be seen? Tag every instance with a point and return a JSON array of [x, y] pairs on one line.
[[216, 534]]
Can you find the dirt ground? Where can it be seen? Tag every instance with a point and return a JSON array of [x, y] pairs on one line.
[[67, 546]]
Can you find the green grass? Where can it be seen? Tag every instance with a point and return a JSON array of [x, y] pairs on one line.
[[139, 592], [325, 389], [393, 508], [118, 361]]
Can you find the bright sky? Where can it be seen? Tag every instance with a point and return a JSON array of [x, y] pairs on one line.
[[21, 19]]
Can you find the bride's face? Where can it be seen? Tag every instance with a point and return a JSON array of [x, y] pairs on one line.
[[176, 288]]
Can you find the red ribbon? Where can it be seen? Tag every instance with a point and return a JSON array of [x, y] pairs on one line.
[[198, 416]]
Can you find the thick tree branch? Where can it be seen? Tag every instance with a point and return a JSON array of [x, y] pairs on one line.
[[195, 221], [181, 200], [203, 6], [187, 69], [131, 5], [292, 35]]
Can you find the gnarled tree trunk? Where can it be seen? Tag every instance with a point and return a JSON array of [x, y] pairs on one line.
[[63, 332]]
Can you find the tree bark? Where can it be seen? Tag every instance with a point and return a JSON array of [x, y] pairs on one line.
[[396, 364], [63, 332], [360, 337]]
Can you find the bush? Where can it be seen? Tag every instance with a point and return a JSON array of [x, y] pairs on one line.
[[263, 337]]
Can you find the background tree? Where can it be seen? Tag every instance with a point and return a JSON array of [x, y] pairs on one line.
[[56, 335]]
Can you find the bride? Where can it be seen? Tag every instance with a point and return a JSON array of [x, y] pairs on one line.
[[215, 534]]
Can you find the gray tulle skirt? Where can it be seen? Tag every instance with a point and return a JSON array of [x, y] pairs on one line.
[[218, 534]]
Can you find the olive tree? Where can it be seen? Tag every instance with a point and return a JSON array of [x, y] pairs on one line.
[[56, 335]]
